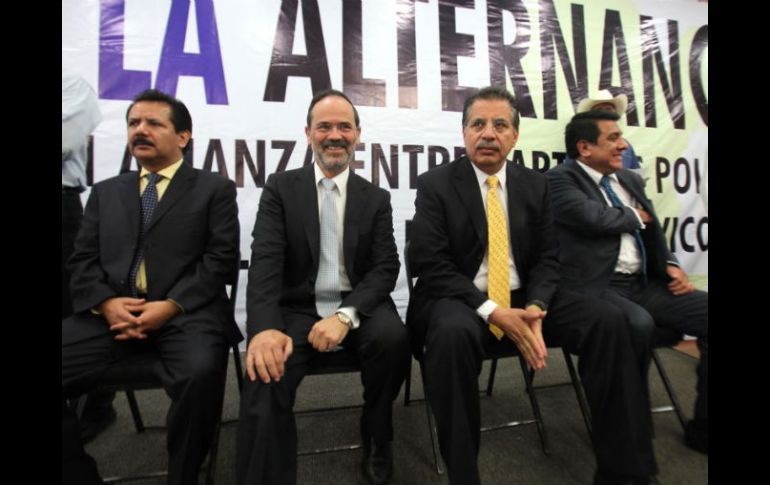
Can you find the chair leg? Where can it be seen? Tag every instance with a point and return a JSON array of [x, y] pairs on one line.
[[535, 405], [676, 407], [492, 372], [134, 406], [432, 428], [408, 384], [238, 367], [579, 393]]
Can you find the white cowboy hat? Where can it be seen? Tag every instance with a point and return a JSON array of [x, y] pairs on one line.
[[604, 96]]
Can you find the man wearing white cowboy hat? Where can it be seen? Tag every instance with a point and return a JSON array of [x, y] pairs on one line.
[[618, 104]]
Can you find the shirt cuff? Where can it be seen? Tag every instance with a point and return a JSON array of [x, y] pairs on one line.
[[486, 309], [353, 314]]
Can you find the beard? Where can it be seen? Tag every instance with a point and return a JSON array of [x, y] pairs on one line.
[[332, 164]]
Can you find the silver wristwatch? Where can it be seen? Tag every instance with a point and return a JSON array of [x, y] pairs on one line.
[[345, 319]]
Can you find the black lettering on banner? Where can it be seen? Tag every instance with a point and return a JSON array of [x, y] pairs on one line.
[[379, 159], [288, 147], [407, 53], [452, 45], [356, 164], [434, 150], [366, 92], [559, 157], [613, 36], [551, 42], [537, 156], [413, 151], [699, 45], [309, 156], [672, 90], [242, 155], [214, 150], [459, 152], [662, 170], [508, 56], [686, 235], [284, 64]]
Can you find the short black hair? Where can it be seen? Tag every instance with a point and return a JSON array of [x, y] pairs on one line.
[[180, 116], [493, 92], [583, 126], [325, 94]]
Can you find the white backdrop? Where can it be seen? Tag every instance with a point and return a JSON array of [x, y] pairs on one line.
[[247, 69]]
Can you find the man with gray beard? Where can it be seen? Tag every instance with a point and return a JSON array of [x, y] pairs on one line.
[[323, 264]]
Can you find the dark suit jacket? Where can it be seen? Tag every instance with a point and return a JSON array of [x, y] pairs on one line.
[[589, 230], [191, 245], [284, 254], [449, 237]]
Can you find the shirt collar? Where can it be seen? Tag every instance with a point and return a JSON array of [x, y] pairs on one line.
[[167, 172], [341, 179], [482, 176], [595, 175]]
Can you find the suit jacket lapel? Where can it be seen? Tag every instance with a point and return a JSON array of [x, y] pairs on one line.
[[354, 206], [516, 201], [587, 181], [467, 186], [129, 197], [307, 195], [179, 185], [636, 191]]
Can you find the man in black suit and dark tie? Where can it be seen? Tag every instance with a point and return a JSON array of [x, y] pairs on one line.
[[613, 246], [485, 254], [151, 262], [323, 264]]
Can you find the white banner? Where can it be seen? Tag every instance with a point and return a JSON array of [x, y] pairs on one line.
[[247, 70]]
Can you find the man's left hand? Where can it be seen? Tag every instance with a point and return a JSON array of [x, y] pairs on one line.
[[327, 333], [153, 314], [680, 283]]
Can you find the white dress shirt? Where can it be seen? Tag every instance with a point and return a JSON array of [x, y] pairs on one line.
[[340, 194], [629, 258]]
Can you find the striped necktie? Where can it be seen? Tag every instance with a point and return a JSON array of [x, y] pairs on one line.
[[149, 203], [616, 202]]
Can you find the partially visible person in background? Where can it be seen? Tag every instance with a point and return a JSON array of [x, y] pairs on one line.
[[617, 104], [79, 116]]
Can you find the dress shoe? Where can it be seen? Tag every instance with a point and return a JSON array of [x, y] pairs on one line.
[[377, 464], [93, 422], [696, 435]]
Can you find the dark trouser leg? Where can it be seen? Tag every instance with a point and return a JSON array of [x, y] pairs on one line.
[[194, 357], [383, 346], [598, 332], [454, 350], [266, 447], [71, 218], [88, 348], [687, 314]]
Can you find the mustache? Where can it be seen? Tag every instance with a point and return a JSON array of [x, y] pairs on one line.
[[488, 144], [335, 143], [140, 140]]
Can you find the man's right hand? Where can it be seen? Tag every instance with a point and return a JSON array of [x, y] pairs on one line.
[[120, 319], [521, 326], [266, 355]]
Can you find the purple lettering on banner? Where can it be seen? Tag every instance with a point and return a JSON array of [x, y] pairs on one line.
[[174, 62], [114, 81]]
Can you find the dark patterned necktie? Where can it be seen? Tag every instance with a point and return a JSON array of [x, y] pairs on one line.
[[149, 203], [615, 200]]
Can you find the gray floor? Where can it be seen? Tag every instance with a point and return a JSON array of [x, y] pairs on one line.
[[510, 456]]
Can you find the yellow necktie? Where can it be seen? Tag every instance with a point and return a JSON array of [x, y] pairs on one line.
[[499, 286]]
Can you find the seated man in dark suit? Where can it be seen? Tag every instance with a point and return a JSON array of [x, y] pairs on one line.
[[613, 246], [485, 255], [151, 261], [323, 264]]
